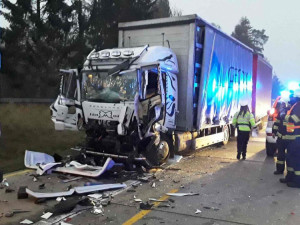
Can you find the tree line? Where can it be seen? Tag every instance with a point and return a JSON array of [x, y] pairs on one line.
[[46, 35]]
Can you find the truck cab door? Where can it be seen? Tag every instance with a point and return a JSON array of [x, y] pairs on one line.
[[65, 110], [151, 97]]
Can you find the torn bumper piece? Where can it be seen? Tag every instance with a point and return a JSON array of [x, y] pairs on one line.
[[43, 162], [86, 170], [77, 190]]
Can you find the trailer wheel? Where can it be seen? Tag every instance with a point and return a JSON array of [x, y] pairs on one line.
[[226, 135]]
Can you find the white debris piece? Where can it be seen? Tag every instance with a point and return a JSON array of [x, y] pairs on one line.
[[32, 159], [181, 194], [153, 185], [95, 196], [138, 200], [47, 215], [26, 221], [198, 211], [59, 199]]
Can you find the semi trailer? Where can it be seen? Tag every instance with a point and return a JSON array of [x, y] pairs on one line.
[[172, 84]]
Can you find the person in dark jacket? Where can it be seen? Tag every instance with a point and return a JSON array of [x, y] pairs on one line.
[[279, 130], [292, 119]]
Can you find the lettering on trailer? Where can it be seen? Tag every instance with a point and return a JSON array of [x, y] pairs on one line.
[[236, 75]]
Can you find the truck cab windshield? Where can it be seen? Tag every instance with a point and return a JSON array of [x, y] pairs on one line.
[[100, 87]]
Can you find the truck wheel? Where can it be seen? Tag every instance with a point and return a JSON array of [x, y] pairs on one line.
[[270, 149], [226, 135], [158, 154]]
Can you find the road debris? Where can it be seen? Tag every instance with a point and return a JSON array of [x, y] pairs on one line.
[[22, 194], [78, 190], [42, 186], [138, 200], [70, 180], [181, 194], [198, 211], [59, 199], [47, 215], [153, 185], [164, 205], [86, 170], [146, 206], [157, 200], [26, 221], [171, 168], [9, 190], [12, 213]]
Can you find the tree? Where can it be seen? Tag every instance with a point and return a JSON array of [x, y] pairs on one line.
[[253, 38], [46, 35], [277, 87], [162, 9]]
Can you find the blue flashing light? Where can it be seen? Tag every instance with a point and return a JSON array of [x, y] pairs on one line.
[[285, 94], [293, 86]]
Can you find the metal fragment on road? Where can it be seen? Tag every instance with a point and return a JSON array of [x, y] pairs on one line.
[[181, 194], [47, 215], [157, 200], [198, 211], [26, 221]]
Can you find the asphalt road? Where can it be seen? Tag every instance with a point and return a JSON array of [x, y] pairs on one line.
[[230, 192]]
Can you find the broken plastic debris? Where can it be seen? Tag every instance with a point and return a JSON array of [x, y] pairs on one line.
[[97, 209], [47, 215], [72, 179], [176, 159], [138, 200], [32, 159], [164, 205], [145, 206], [198, 211], [95, 196], [153, 185], [26, 221], [63, 223], [90, 171], [157, 200], [181, 194], [78, 190], [34, 179], [59, 199]]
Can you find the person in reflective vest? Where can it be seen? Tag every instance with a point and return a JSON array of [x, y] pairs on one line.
[[244, 121], [292, 118], [279, 130]]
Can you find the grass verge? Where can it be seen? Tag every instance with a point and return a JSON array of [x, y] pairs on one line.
[[28, 126]]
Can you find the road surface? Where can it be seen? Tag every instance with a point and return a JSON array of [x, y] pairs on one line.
[[230, 192]]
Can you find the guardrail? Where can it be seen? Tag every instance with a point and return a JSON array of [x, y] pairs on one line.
[[26, 100]]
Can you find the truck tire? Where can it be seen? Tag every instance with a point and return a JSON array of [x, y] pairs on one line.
[[226, 135], [158, 154], [270, 149]]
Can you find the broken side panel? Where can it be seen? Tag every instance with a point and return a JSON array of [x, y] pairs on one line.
[[226, 79]]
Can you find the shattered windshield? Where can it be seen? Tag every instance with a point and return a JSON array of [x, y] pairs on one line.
[[101, 87]]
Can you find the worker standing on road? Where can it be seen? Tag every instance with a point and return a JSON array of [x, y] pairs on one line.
[[293, 132], [244, 121], [279, 130]]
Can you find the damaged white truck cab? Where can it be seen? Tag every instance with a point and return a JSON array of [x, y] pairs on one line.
[[127, 98]]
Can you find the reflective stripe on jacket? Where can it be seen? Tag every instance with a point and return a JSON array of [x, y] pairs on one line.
[[243, 122], [293, 120]]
